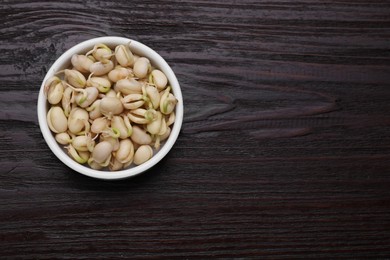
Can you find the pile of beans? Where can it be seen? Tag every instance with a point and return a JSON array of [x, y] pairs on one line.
[[111, 108]]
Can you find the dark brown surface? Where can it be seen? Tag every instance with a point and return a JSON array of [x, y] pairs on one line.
[[284, 150]]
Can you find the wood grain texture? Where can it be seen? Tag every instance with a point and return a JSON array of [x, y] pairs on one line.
[[284, 151]]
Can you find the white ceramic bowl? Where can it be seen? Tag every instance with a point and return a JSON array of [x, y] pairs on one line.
[[138, 48]]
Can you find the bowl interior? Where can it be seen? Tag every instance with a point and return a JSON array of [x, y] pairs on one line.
[[140, 49]]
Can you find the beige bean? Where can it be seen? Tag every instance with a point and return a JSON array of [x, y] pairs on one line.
[[113, 141], [158, 78], [78, 121], [94, 110], [51, 86], [143, 154], [123, 55], [128, 125], [57, 120], [128, 86], [66, 100], [125, 152], [167, 103], [101, 67], [139, 116], [63, 138], [101, 52], [155, 126], [141, 67], [55, 93], [102, 152], [119, 73], [153, 95], [139, 136], [118, 123], [81, 63], [101, 83], [110, 106], [51, 82], [80, 143], [132, 101], [75, 78], [86, 100], [99, 125]]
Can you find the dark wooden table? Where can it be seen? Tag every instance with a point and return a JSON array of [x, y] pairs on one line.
[[284, 152]]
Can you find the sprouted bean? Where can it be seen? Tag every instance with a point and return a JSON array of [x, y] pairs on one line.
[[110, 108]]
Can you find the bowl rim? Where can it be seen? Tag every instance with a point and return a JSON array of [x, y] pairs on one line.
[[140, 49]]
